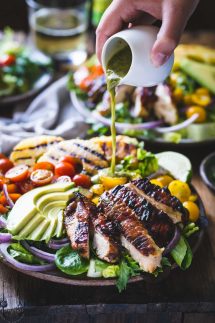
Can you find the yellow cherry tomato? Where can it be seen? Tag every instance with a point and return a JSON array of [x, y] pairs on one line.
[[193, 210], [180, 189], [95, 200], [155, 181], [188, 99], [98, 189], [110, 182], [193, 197], [165, 180], [178, 94], [201, 99], [202, 91], [196, 109]]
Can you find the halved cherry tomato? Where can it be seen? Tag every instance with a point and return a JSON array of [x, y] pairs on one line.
[[26, 186], [18, 173], [5, 165], [3, 199], [44, 165], [12, 188], [15, 196], [74, 161], [64, 179], [7, 60], [41, 177], [3, 209], [97, 70], [3, 180], [64, 168], [82, 180]]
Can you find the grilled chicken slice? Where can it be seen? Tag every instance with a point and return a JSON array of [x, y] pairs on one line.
[[134, 237], [95, 153], [161, 198], [105, 239], [76, 218], [158, 224]]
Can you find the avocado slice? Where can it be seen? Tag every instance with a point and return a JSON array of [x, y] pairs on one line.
[[56, 196], [52, 205], [59, 228], [204, 74], [48, 234], [39, 231], [31, 226], [52, 188]]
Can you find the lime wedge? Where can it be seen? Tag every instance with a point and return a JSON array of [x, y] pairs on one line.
[[178, 165]]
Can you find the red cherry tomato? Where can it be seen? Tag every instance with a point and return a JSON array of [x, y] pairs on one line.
[[3, 209], [76, 162], [63, 168], [5, 165], [3, 180], [82, 180], [44, 165], [26, 186], [41, 177], [18, 173], [12, 188], [64, 179], [15, 196], [7, 60]]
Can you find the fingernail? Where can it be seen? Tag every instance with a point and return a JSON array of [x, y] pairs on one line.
[[159, 59]]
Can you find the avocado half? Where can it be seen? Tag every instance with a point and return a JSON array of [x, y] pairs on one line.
[[38, 214], [202, 73]]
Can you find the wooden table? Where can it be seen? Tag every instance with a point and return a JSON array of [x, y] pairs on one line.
[[186, 297]]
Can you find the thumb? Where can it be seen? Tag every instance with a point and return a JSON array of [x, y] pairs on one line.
[[173, 24]]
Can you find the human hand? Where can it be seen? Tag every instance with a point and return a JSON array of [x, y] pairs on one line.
[[174, 15]]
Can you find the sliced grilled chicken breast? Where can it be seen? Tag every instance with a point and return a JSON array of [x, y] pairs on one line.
[[161, 198], [158, 224], [134, 236], [76, 218]]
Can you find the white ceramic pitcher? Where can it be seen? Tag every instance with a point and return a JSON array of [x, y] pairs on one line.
[[140, 39]]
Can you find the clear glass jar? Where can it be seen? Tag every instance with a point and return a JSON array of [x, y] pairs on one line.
[[59, 28]]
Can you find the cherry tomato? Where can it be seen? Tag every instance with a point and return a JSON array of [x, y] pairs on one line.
[[64, 179], [5, 165], [7, 60], [3, 209], [12, 188], [26, 186], [44, 165], [193, 210], [41, 177], [199, 110], [3, 199], [3, 156], [18, 173], [3, 180], [76, 162], [82, 180], [97, 70], [64, 168], [15, 196]]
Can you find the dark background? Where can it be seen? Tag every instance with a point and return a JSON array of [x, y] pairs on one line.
[[13, 13]]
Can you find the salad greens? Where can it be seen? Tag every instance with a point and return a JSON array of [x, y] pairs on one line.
[[18, 252], [18, 69], [182, 254], [70, 262]]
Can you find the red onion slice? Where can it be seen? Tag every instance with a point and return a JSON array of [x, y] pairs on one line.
[[173, 242], [20, 265], [178, 126], [9, 201], [56, 246], [3, 222], [5, 237], [39, 253]]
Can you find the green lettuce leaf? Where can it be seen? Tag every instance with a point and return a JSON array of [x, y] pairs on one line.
[[182, 254], [18, 252]]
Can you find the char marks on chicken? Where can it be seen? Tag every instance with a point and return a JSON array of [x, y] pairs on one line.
[[158, 224], [80, 215], [161, 198], [134, 236]]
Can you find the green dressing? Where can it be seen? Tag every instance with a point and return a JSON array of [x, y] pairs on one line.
[[117, 67]]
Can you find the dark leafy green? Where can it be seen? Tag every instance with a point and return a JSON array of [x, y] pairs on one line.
[[70, 262]]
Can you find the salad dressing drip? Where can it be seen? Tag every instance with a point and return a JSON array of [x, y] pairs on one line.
[[117, 67]]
